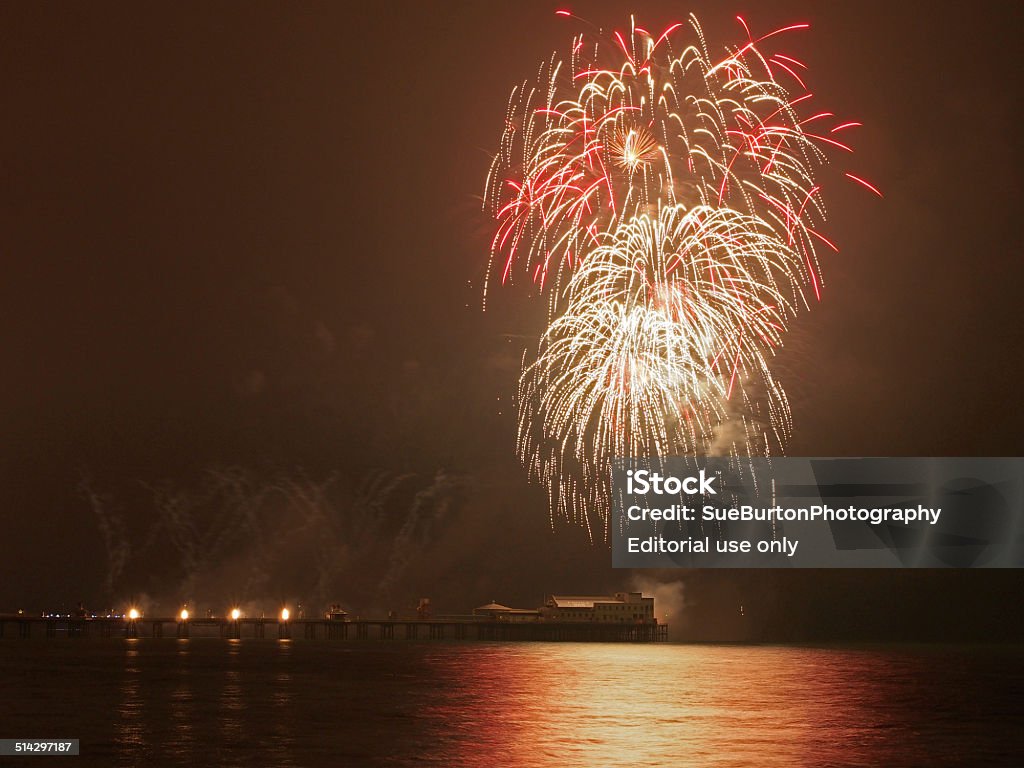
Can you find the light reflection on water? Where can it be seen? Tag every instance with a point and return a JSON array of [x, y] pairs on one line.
[[131, 732], [181, 701], [232, 700], [282, 742], [717, 706], [282, 703]]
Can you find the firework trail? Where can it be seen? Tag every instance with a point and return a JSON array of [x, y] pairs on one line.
[[113, 532], [664, 203], [236, 534]]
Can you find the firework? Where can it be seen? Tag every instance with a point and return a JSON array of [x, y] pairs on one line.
[[666, 321], [664, 202]]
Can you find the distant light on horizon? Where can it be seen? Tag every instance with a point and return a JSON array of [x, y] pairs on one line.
[[133, 613], [285, 613], [184, 614], [235, 614]]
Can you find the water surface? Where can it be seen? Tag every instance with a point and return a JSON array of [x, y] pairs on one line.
[[279, 703]]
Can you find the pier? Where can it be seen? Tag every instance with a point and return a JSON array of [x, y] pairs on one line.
[[415, 629]]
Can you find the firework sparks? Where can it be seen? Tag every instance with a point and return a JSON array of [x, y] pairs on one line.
[[664, 322], [665, 203]]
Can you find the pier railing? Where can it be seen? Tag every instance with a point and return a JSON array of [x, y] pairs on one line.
[[440, 628]]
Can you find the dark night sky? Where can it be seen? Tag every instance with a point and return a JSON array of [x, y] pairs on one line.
[[250, 235]]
